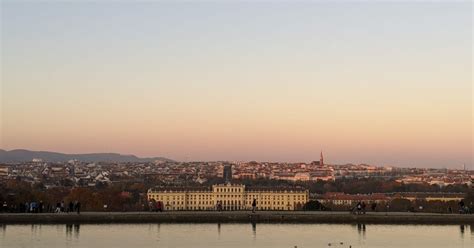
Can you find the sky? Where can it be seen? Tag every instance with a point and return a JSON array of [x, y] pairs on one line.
[[384, 83]]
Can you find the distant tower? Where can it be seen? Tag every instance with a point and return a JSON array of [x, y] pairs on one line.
[[321, 159], [227, 173]]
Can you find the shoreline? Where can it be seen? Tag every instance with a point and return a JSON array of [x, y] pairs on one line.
[[293, 217]]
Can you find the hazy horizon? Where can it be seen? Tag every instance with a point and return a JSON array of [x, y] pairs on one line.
[[382, 83]]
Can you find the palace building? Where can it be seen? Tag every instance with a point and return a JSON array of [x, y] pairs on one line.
[[229, 197]]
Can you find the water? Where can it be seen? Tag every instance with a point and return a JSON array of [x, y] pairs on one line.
[[236, 235]]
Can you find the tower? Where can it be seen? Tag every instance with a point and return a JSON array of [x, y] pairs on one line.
[[321, 159], [227, 173]]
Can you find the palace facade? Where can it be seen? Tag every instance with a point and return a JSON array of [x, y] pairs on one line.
[[229, 197]]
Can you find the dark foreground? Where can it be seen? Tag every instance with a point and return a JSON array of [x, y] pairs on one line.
[[236, 217]]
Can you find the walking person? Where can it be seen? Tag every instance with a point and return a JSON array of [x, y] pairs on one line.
[[58, 208], [254, 205]]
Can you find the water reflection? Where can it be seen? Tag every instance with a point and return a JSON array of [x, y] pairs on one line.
[[70, 229], [3, 229], [68, 232], [76, 231], [236, 235], [254, 230], [361, 230]]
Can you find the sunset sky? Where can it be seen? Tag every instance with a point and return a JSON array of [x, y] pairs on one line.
[[364, 81]]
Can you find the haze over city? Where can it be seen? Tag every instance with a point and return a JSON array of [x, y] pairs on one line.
[[236, 81]]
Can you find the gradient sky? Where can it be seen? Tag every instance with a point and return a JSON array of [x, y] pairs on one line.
[[366, 81]]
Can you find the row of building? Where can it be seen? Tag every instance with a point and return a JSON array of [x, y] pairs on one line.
[[229, 197], [239, 197]]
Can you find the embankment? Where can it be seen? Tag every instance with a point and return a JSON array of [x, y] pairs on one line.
[[235, 217]]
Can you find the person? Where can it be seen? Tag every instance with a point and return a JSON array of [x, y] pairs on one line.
[[159, 206], [71, 207], [62, 206], [359, 207], [363, 205], [58, 208], [32, 207], [40, 206], [461, 206], [254, 205], [373, 206], [78, 207], [5, 207]]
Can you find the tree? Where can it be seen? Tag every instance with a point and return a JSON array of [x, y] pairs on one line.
[[313, 206], [400, 205]]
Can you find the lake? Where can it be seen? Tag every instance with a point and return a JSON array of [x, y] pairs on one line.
[[236, 235]]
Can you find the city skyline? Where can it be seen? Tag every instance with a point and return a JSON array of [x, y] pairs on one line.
[[365, 82]]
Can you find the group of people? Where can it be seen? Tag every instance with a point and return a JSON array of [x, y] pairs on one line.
[[360, 208], [155, 206], [40, 207], [463, 208]]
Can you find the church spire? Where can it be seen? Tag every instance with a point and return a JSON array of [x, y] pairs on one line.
[[321, 159]]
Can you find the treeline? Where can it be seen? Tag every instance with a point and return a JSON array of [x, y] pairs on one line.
[[117, 197], [359, 186], [132, 196]]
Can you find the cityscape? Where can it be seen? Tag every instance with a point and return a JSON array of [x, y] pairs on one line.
[[75, 173], [318, 181], [234, 123]]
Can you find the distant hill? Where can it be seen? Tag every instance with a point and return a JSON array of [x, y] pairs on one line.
[[21, 155]]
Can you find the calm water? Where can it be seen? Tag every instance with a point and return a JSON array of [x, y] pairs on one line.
[[235, 235]]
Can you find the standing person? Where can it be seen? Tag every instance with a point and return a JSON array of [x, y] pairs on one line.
[[62, 206], [461, 206], [373, 206], [254, 205], [71, 207], [359, 207], [40, 206], [32, 207], [159, 206], [363, 207], [78, 207]]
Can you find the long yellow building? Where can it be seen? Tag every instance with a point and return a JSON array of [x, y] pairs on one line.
[[229, 197]]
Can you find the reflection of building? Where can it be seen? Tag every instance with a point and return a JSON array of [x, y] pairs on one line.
[[230, 197], [227, 173]]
